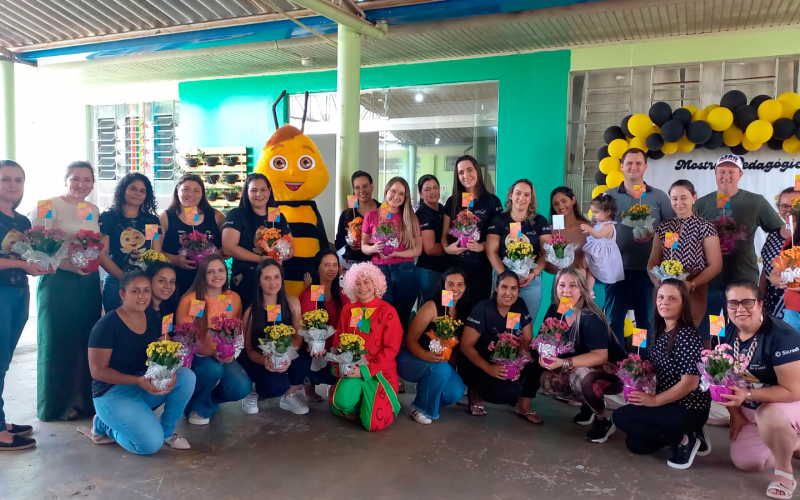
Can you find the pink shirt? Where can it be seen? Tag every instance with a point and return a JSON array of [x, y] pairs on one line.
[[371, 221]]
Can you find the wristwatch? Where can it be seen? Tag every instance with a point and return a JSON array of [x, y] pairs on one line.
[[749, 397]]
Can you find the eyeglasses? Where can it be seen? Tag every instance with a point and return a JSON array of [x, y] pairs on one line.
[[747, 303], [784, 208]]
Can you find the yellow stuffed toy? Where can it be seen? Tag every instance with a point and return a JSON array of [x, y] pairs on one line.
[[294, 167]]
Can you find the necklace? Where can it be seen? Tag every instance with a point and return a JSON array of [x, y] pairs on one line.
[[750, 350]]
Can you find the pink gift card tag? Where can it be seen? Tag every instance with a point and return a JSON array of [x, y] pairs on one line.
[[191, 214], [44, 209], [639, 338], [151, 232], [274, 214], [512, 321], [317, 293], [447, 298], [273, 313], [166, 324], [467, 200], [84, 211], [352, 201], [196, 308]]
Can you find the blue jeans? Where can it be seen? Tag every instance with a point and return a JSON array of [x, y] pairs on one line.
[[234, 384], [715, 304], [273, 384], [125, 413], [14, 304], [428, 284], [111, 299], [402, 289], [793, 318], [531, 294], [634, 292], [438, 384]]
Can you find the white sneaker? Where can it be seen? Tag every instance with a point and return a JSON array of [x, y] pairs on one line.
[[293, 404], [196, 419], [420, 417], [177, 442], [250, 404]]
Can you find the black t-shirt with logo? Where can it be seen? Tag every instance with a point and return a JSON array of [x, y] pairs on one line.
[[591, 336], [431, 220], [485, 207], [16, 226], [249, 235], [127, 237], [531, 231], [487, 320]]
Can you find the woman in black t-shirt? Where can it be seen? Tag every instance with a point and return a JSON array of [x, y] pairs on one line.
[[123, 398], [125, 229], [162, 276], [430, 213], [676, 414], [589, 372], [243, 228], [365, 203], [472, 259], [765, 416], [486, 380]]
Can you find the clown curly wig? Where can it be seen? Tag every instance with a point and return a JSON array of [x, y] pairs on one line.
[[364, 270]]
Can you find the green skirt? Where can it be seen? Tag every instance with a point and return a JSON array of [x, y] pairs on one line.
[[68, 307]]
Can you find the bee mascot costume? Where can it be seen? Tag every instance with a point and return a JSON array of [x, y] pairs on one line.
[[294, 167]]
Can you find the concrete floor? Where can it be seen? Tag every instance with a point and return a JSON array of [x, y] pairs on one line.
[[279, 455]]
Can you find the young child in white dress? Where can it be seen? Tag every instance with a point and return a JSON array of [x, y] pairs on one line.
[[601, 250]]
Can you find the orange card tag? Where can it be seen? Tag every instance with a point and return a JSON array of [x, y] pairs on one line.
[[512, 321], [166, 324], [447, 298], [717, 325], [515, 229], [467, 200], [151, 232], [191, 214], [352, 201], [197, 308], [723, 200], [797, 182], [639, 338], [84, 211], [224, 305], [386, 212], [44, 209], [274, 313], [671, 240], [317, 293], [356, 317], [565, 306], [639, 191], [274, 214]]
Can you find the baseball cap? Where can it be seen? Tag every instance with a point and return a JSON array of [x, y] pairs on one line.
[[735, 160]]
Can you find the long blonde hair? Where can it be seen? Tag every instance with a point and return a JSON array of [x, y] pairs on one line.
[[410, 228], [585, 302], [531, 215]]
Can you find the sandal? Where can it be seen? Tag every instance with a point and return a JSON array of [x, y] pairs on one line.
[[311, 393], [476, 410], [536, 420], [785, 491]]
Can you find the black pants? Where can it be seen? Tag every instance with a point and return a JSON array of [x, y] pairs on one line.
[[494, 390], [650, 429]]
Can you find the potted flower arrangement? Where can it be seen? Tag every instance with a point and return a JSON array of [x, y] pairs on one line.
[[719, 370], [278, 344], [636, 375], [465, 228], [315, 329], [186, 335], [42, 246], [232, 193], [559, 252], [230, 160], [227, 334], [639, 218], [444, 336], [552, 340], [507, 351], [163, 361], [213, 193], [230, 178], [788, 262], [353, 236], [384, 233], [520, 258], [195, 246], [669, 269], [729, 232], [85, 250], [270, 240], [149, 257], [350, 352]]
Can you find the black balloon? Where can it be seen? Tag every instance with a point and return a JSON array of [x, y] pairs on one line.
[[602, 153], [660, 113], [757, 100], [698, 132], [797, 117], [599, 178], [733, 99], [655, 154], [654, 141], [744, 116], [672, 131], [739, 150], [613, 132], [624, 126], [714, 142], [775, 144], [683, 115], [783, 128]]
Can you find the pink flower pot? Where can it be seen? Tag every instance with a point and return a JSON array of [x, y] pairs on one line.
[[511, 371], [226, 351], [463, 241], [717, 391], [626, 390], [187, 360]]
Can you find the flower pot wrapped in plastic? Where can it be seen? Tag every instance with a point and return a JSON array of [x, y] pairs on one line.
[[186, 335], [552, 340], [163, 360], [276, 245], [639, 218], [719, 370], [227, 334], [150, 257], [385, 233], [42, 246], [195, 246], [788, 262], [350, 352], [636, 375], [729, 232], [507, 352], [520, 258], [315, 330], [85, 250], [278, 344], [445, 336], [559, 252], [669, 269], [353, 236], [465, 228]]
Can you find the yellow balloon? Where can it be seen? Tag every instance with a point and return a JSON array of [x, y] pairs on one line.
[[628, 328], [758, 132], [750, 145], [711, 107], [614, 179], [597, 191], [590, 214], [639, 142], [669, 147], [790, 102], [640, 125], [732, 137], [720, 119], [617, 148], [609, 164], [691, 109], [792, 145], [685, 145], [770, 110], [700, 115]]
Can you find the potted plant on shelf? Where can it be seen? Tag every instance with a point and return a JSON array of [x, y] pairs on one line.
[[230, 178], [213, 193], [230, 160], [212, 178], [211, 161], [191, 160], [232, 193]]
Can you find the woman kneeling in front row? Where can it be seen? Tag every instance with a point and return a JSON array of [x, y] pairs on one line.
[[123, 398]]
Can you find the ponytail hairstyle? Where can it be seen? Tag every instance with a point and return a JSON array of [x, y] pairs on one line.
[[684, 320], [129, 274], [604, 202], [531, 215]]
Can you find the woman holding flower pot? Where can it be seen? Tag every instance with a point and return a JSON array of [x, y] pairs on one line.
[[693, 242], [431, 339], [588, 373], [675, 415], [391, 235], [765, 416], [188, 213], [784, 274], [348, 231], [773, 245], [469, 254], [129, 227], [563, 202], [525, 246], [272, 306], [69, 304], [243, 235], [219, 379], [490, 321]]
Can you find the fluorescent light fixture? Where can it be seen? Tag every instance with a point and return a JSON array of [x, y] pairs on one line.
[[436, 141]]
